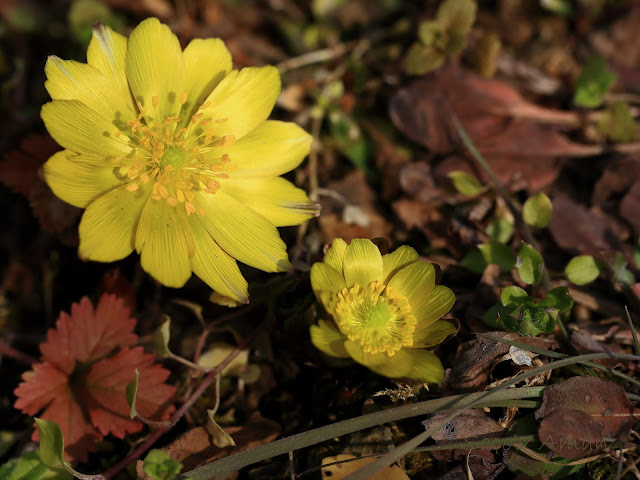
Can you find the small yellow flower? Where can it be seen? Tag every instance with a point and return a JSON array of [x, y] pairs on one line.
[[171, 153], [385, 309]]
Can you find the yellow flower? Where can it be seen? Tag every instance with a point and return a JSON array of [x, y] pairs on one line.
[[171, 153], [385, 309]]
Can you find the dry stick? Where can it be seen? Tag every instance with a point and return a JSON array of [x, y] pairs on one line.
[[522, 225], [156, 434], [16, 354]]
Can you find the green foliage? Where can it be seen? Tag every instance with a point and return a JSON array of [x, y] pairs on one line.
[[160, 466], [441, 37], [83, 14], [529, 264], [349, 139], [500, 229], [221, 439], [30, 467], [618, 265], [161, 339], [582, 269], [594, 82], [559, 7], [498, 254], [536, 210], [51, 443], [519, 313], [617, 123], [474, 261], [466, 184], [131, 393]]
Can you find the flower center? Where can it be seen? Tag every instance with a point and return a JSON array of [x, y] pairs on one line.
[[178, 160], [376, 316]]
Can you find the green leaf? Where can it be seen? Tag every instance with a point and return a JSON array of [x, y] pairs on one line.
[[594, 82], [456, 17], [621, 273], [474, 261], [498, 254], [529, 264], [161, 339], [349, 139], [132, 392], [530, 320], [221, 439], [421, 59], [617, 123], [537, 210], [160, 466], [30, 467], [500, 229], [465, 183], [558, 298], [582, 269], [513, 296], [51, 443]]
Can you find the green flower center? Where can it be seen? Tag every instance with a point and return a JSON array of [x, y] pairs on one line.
[[179, 161], [174, 156], [377, 317]]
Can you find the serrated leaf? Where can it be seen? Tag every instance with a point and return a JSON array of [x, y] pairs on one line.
[[513, 296], [465, 183], [594, 82], [537, 210], [498, 254], [582, 269], [529, 264], [82, 384], [221, 439], [161, 339], [160, 466], [51, 443], [617, 123], [132, 392]]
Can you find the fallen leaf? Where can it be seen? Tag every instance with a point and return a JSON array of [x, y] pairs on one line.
[[86, 366], [343, 470], [580, 412]]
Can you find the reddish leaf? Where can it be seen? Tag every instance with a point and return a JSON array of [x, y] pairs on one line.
[[90, 402], [20, 172], [104, 391], [87, 334], [46, 386]]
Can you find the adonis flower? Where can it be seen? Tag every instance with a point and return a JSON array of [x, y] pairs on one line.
[[384, 309], [170, 153]]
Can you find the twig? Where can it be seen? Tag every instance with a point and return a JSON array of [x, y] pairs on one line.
[[317, 56], [16, 354], [156, 434]]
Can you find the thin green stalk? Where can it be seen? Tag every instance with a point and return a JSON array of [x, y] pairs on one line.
[[397, 453], [226, 466]]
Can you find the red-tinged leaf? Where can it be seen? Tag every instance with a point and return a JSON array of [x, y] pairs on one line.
[[46, 386], [87, 334], [104, 391]]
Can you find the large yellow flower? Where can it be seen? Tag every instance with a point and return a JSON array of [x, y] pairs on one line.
[[171, 154], [385, 309]]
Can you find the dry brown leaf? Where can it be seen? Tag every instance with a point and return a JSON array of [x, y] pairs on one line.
[[342, 470]]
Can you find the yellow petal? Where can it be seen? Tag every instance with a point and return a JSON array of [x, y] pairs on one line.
[[438, 303], [328, 339], [206, 62], [108, 225], [335, 255], [69, 80], [77, 181], [276, 199], [241, 232], [397, 366], [245, 99], [326, 282], [392, 263], [79, 128], [165, 243], [155, 68], [215, 266], [433, 334], [271, 149], [426, 367], [106, 52], [415, 282], [362, 263]]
